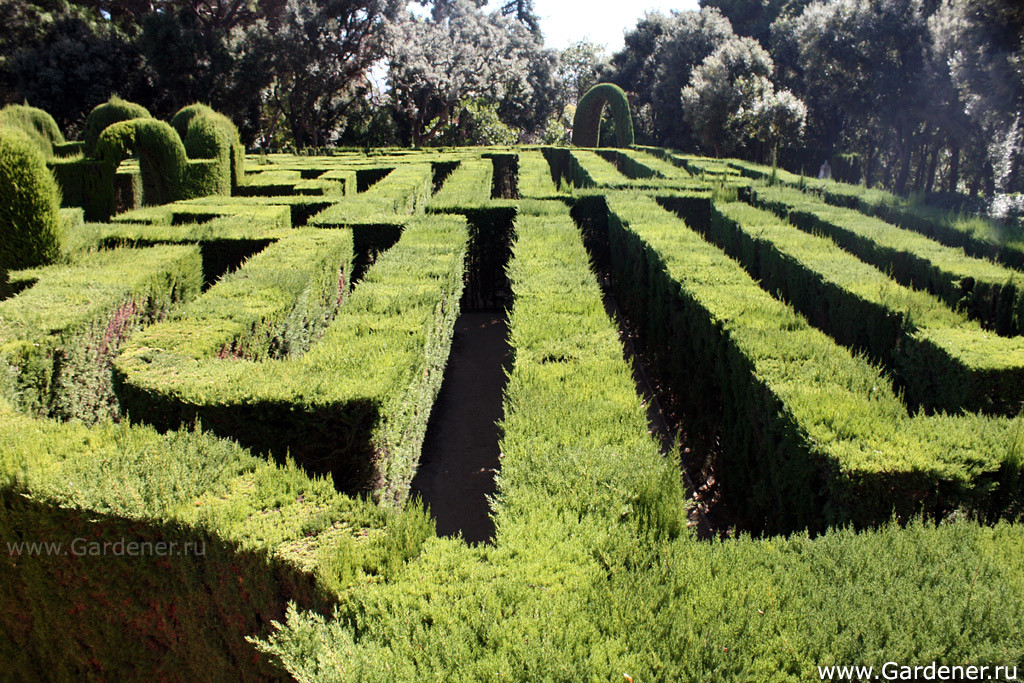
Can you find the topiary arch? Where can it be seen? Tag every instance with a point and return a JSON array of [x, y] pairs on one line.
[[586, 124]]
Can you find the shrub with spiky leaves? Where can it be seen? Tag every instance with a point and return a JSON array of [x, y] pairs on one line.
[[162, 157], [208, 134]]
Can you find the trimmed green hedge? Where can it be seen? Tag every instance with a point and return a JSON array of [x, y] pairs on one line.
[[940, 359], [37, 125], [258, 536], [588, 169], [586, 123], [390, 200], [628, 164], [978, 237], [536, 178], [188, 212], [357, 402], [576, 443], [60, 335], [988, 292], [468, 186], [30, 225], [208, 134], [583, 581], [104, 115], [208, 160], [810, 434], [614, 169]]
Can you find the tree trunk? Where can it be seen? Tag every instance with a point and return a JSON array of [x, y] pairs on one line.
[[954, 167], [869, 164], [990, 180], [904, 172], [933, 165]]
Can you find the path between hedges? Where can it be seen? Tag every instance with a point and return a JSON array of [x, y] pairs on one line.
[[460, 452]]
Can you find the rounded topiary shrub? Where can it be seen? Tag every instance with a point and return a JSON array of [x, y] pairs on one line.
[[30, 219], [208, 134], [106, 114], [37, 125]]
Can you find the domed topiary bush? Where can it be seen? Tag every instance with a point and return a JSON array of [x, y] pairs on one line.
[[208, 134], [37, 125], [30, 219], [106, 114]]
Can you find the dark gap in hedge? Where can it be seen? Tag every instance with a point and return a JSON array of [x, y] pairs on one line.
[[442, 169], [558, 162], [311, 173], [369, 242], [625, 165], [330, 439], [505, 178], [367, 177], [190, 217], [303, 211], [673, 412], [220, 256], [490, 248], [460, 454]]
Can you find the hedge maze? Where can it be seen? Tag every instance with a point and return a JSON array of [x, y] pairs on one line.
[[244, 352]]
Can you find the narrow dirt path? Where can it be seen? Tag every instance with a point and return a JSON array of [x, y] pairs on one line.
[[460, 452]]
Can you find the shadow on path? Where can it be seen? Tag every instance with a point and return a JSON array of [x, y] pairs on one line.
[[460, 452]]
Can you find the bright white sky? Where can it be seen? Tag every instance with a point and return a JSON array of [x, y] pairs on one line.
[[564, 22]]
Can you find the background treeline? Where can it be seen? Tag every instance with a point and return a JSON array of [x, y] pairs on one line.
[[918, 96], [928, 94], [290, 73]]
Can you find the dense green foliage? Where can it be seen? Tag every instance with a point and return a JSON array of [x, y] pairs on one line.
[[35, 124], [923, 94], [838, 443], [587, 578], [104, 115], [587, 122], [938, 357], [986, 291], [320, 340], [30, 226], [188, 368], [58, 338]]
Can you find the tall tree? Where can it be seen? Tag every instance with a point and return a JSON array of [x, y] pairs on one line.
[[460, 54], [75, 63], [982, 43], [579, 68], [656, 62], [731, 100], [318, 58], [864, 60]]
